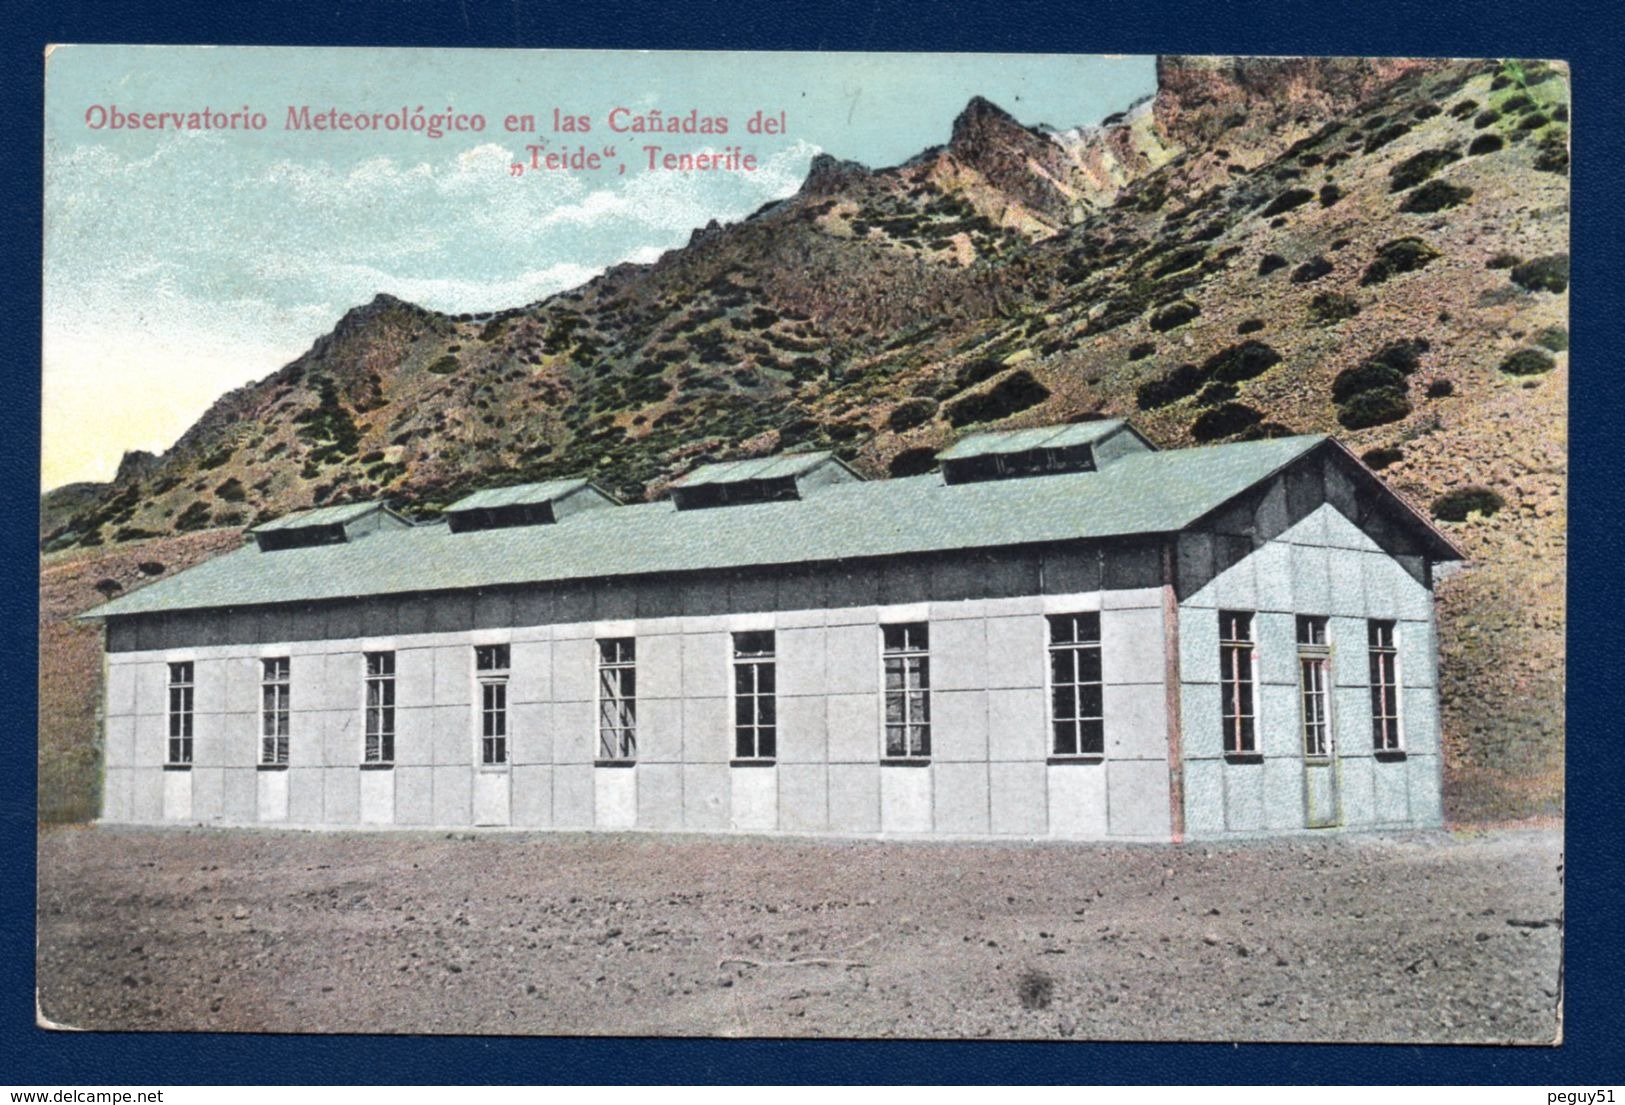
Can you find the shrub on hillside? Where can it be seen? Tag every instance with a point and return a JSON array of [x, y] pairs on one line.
[[1440, 389], [1328, 308], [1398, 256], [1141, 351], [1485, 143], [1173, 315], [1016, 392], [1311, 270], [1528, 362], [1435, 195], [1373, 408], [1419, 167], [1366, 376], [1543, 274], [1250, 326], [193, 517], [1382, 456], [1241, 362], [1555, 338], [1269, 263], [973, 373], [911, 413], [1553, 157], [1456, 506], [1404, 355], [1225, 421], [1287, 201], [1170, 387], [1378, 139]]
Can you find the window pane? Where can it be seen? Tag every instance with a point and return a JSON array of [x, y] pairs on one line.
[[766, 713], [919, 740], [765, 743], [1064, 702], [1062, 629], [744, 742], [1091, 737], [1089, 701], [1066, 738], [894, 706], [919, 706], [1062, 668], [894, 740], [744, 710], [1088, 665], [765, 678]]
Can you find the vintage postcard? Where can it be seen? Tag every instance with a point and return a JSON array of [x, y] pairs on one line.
[[835, 545]]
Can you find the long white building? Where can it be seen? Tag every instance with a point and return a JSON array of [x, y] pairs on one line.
[[1062, 633]]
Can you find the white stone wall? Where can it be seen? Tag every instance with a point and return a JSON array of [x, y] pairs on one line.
[[989, 773], [1323, 565]]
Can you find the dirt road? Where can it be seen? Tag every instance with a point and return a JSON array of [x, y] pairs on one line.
[[1424, 937]]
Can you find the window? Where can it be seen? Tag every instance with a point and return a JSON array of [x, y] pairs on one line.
[[1076, 720], [274, 711], [380, 709], [755, 711], [617, 699], [1314, 664], [491, 670], [906, 653], [1384, 686], [180, 713], [1236, 682]]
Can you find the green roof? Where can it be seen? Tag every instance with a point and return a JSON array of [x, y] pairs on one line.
[[1040, 437], [1142, 493], [322, 516], [523, 494], [758, 468]]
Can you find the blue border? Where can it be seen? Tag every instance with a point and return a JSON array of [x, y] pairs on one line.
[[1585, 33]]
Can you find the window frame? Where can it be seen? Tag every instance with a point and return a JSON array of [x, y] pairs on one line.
[[276, 697], [1244, 745], [1315, 656], [1387, 728], [493, 733], [1075, 648], [624, 746], [915, 637], [180, 714], [756, 663], [381, 754]]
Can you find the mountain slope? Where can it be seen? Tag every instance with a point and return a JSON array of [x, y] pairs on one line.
[[1372, 248]]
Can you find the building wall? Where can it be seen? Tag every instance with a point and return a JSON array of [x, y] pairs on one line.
[[989, 773], [1322, 564]]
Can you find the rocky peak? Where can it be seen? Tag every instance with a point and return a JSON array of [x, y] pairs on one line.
[[828, 175], [136, 464]]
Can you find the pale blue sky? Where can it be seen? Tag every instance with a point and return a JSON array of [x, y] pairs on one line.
[[178, 266]]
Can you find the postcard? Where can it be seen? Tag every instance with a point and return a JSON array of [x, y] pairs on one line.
[[818, 545]]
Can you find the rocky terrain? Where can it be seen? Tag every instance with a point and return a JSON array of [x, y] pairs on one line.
[[1373, 248], [1403, 939]]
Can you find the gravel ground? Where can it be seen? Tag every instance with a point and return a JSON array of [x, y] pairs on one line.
[[1416, 937]]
